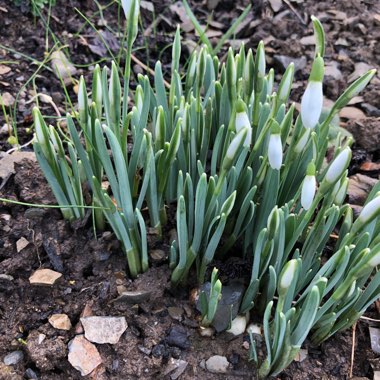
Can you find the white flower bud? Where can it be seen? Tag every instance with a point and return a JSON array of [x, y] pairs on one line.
[[375, 260], [287, 274], [38, 126], [82, 96], [275, 151], [236, 143], [139, 99], [311, 104], [127, 4], [341, 193], [308, 191], [242, 121], [370, 210], [338, 166], [302, 141]]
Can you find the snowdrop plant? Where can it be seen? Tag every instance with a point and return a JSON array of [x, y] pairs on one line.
[[241, 171]]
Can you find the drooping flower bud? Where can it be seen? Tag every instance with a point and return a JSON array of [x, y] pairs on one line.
[[302, 141], [233, 149], [139, 99], [338, 166], [82, 101], [286, 84], [308, 187], [371, 210], [341, 193], [312, 99], [242, 121], [275, 147], [259, 67], [287, 276]]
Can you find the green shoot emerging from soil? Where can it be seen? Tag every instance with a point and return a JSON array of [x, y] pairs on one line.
[[224, 150]]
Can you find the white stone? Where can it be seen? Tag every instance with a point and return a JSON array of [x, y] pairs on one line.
[[217, 364], [254, 329], [21, 244], [238, 325], [103, 329]]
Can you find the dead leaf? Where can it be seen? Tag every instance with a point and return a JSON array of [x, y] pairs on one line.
[[148, 5], [7, 99], [352, 113], [332, 70], [98, 46], [4, 69], [370, 166], [341, 42], [212, 33], [356, 100], [212, 4], [360, 69], [180, 11], [275, 5], [62, 66], [8, 161], [308, 40]]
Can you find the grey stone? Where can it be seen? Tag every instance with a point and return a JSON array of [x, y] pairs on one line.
[[30, 374], [217, 364], [178, 337], [104, 329], [228, 306], [13, 358], [285, 61]]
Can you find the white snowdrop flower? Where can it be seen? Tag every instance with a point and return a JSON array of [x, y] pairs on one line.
[[139, 99], [242, 121], [375, 260], [312, 99], [302, 141], [82, 96], [127, 5], [286, 83], [236, 143], [287, 274], [341, 193], [308, 191], [275, 149], [311, 104], [370, 210], [338, 166], [38, 126]]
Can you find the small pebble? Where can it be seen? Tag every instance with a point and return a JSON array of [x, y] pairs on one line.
[[217, 364], [144, 350], [30, 374], [238, 325], [13, 358], [207, 332], [176, 313]]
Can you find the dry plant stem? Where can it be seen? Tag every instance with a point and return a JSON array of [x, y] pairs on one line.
[[295, 11], [370, 319], [353, 349], [148, 69]]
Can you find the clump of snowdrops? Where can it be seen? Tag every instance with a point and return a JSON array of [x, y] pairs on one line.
[[222, 146]]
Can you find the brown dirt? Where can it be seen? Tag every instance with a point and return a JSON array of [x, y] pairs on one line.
[[93, 267]]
